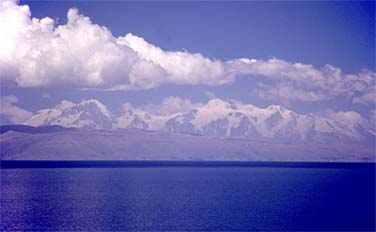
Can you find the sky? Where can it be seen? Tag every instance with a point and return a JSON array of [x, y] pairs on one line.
[[306, 56]]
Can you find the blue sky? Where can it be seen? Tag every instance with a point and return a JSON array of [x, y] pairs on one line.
[[341, 34], [318, 33]]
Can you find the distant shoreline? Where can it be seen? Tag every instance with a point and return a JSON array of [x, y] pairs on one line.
[[14, 164]]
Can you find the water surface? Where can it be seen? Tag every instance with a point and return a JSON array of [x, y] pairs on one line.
[[188, 198]]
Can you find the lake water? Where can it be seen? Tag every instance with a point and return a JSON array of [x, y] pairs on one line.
[[188, 198]]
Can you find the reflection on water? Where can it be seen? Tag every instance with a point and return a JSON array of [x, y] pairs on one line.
[[188, 198]]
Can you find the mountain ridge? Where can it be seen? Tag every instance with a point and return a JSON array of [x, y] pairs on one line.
[[217, 118]]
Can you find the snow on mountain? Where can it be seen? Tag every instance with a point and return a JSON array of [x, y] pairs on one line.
[[223, 119], [217, 118], [137, 118], [86, 114]]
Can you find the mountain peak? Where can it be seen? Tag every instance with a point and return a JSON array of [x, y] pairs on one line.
[[276, 108], [64, 104], [217, 118], [93, 102], [88, 113], [218, 103]]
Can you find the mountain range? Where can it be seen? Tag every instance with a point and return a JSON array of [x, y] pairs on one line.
[[217, 118], [218, 130]]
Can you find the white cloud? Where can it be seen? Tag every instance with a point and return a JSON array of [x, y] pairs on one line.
[[297, 81], [210, 95], [37, 52], [367, 98], [350, 119], [170, 105], [372, 119], [180, 67], [287, 92], [13, 113], [346, 117], [46, 95]]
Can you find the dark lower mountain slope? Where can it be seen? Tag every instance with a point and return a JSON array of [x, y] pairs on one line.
[[134, 144], [32, 129]]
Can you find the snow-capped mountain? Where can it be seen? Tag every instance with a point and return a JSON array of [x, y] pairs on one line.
[[138, 118], [223, 119], [217, 118], [86, 114]]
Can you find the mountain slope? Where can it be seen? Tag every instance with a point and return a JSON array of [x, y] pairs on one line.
[[222, 119], [134, 144], [217, 118], [137, 118], [31, 129], [86, 114]]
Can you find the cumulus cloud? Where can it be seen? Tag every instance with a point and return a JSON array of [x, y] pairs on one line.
[[350, 119], [297, 81], [11, 111], [35, 52], [180, 67], [346, 117], [171, 105], [81, 54], [368, 97], [287, 92]]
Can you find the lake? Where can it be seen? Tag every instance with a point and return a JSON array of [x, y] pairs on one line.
[[189, 197]]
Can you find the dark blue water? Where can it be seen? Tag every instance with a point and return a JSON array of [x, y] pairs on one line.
[[188, 198]]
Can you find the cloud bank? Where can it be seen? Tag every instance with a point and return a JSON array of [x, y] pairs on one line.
[[81, 54], [12, 112], [170, 105]]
